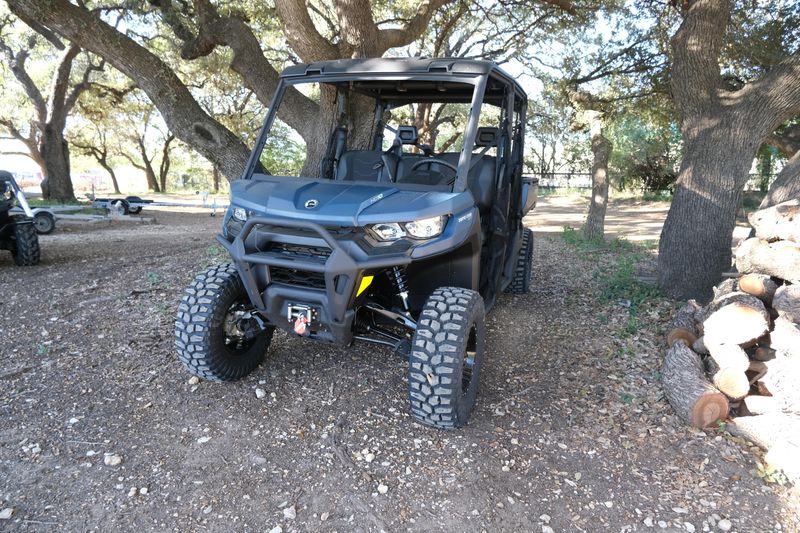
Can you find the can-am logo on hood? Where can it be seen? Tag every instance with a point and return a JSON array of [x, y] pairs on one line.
[[311, 204]]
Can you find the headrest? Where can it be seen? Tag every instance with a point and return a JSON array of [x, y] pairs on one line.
[[407, 134], [487, 137]]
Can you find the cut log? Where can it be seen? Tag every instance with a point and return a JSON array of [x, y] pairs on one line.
[[763, 353], [787, 302], [726, 299], [781, 381], [761, 286], [756, 371], [695, 400], [783, 456], [733, 383], [729, 356], [725, 287], [761, 405], [684, 327], [779, 259], [699, 346], [778, 223], [681, 335], [785, 338], [742, 320], [766, 430]]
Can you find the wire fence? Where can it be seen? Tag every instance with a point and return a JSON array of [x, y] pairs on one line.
[[583, 180]]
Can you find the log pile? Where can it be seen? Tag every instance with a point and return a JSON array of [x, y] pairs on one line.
[[737, 359]]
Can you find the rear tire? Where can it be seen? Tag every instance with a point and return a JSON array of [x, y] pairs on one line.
[[133, 210], [26, 245], [208, 337], [446, 357], [521, 282], [45, 222]]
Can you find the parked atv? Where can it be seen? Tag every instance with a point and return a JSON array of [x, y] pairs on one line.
[[17, 231], [385, 240]]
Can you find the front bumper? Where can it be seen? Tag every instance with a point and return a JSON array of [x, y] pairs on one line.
[[324, 277]]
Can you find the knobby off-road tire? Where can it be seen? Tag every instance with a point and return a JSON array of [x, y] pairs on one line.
[[446, 357], [521, 282], [26, 245], [203, 325]]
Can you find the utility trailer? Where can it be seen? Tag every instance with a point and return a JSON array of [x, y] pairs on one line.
[[133, 205]]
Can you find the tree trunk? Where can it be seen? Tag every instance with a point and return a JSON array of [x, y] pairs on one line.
[[147, 167], [601, 149], [215, 176], [695, 246], [759, 285], [722, 130], [57, 184], [786, 185], [104, 163]]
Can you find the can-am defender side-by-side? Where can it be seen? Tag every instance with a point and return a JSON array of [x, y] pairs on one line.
[[17, 230], [379, 238]]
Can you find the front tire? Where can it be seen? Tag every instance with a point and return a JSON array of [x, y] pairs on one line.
[[26, 245], [216, 336], [521, 282], [446, 357]]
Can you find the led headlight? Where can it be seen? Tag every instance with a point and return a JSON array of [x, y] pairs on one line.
[[426, 228], [390, 231], [239, 213]]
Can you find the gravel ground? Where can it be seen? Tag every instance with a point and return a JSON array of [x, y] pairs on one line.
[[102, 429]]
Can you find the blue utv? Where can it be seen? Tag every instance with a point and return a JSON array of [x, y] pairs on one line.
[[375, 237]]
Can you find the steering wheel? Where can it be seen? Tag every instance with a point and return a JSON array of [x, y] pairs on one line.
[[434, 160]]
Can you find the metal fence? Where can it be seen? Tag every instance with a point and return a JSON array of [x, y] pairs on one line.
[[583, 180]]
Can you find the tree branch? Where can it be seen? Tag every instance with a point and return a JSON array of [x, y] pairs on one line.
[[696, 80], [301, 33], [16, 62], [180, 110], [396, 37], [788, 141], [778, 90]]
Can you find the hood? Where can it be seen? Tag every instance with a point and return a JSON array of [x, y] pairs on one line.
[[344, 203]]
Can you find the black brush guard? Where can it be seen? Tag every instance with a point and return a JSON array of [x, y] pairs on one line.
[[255, 258]]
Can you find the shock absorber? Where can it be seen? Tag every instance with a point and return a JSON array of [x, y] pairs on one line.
[[402, 284]]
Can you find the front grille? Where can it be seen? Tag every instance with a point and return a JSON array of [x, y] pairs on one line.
[[298, 251], [300, 278]]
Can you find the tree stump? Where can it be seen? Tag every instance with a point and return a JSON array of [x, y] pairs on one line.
[[778, 223], [694, 399], [780, 259]]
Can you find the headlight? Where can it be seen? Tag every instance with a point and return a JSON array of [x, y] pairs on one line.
[[426, 228], [240, 214], [389, 231]]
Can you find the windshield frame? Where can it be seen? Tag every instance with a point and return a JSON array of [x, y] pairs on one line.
[[478, 81]]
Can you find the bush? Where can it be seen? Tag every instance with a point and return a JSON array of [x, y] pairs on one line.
[[653, 174]]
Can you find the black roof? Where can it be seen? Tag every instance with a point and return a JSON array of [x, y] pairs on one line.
[[366, 69]]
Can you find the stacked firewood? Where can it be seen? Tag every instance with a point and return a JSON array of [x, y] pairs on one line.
[[737, 359]]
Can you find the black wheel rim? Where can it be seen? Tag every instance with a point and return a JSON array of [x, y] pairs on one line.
[[469, 369]]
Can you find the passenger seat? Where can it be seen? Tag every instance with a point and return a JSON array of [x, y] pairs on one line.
[[364, 165]]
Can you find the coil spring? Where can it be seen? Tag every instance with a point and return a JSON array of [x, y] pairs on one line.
[[401, 282]]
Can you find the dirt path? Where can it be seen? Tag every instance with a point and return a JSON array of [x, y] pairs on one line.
[[570, 431]]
